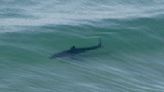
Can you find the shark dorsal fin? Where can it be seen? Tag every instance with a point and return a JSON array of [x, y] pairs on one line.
[[73, 47]]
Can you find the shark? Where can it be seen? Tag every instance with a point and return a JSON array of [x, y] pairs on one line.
[[74, 51]]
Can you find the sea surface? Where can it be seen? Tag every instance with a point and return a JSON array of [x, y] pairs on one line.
[[131, 58]]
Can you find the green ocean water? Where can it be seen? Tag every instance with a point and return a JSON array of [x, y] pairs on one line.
[[130, 60]]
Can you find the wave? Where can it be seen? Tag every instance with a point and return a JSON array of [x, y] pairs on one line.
[[131, 57], [56, 12]]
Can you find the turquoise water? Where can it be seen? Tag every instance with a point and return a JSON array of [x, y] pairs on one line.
[[131, 59]]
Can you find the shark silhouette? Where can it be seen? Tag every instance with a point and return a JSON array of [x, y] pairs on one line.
[[74, 51]]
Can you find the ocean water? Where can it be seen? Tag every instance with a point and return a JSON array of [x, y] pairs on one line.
[[130, 60]]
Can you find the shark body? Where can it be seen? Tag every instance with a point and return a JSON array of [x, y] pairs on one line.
[[74, 51]]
